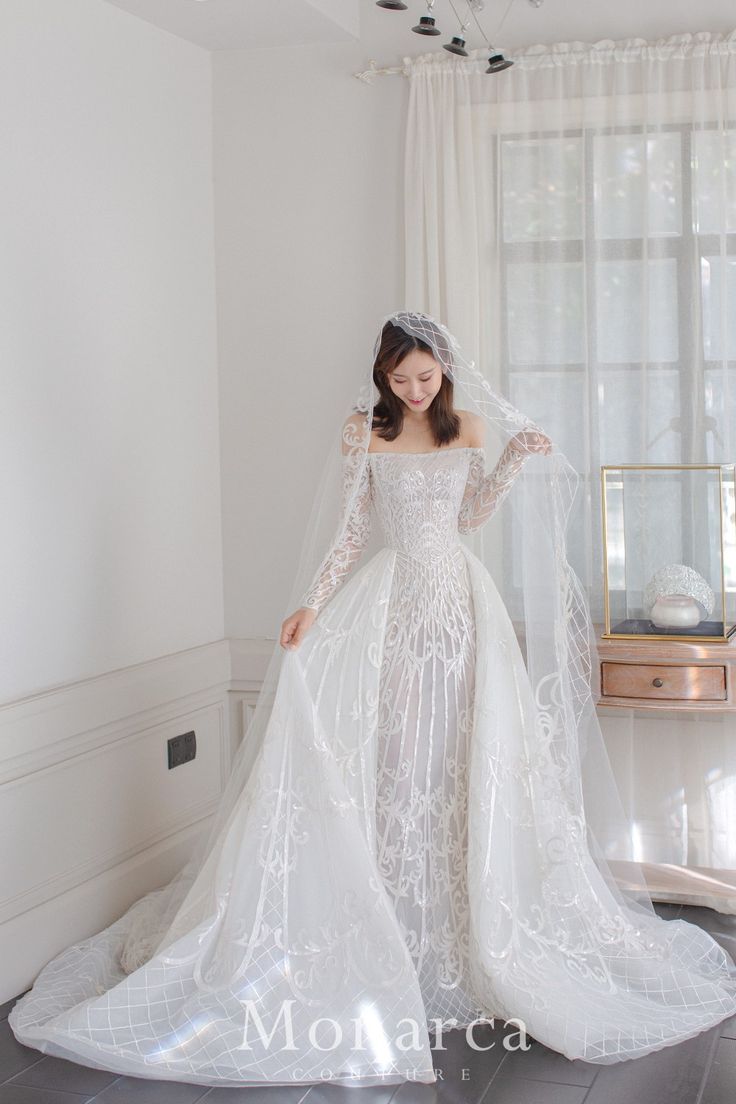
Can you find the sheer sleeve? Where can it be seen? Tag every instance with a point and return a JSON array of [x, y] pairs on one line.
[[485, 493], [349, 541]]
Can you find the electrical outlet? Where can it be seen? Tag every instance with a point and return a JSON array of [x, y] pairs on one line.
[[182, 749]]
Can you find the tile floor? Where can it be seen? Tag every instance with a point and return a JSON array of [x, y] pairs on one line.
[[699, 1071]]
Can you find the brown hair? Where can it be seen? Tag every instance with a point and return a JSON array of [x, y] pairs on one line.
[[388, 412]]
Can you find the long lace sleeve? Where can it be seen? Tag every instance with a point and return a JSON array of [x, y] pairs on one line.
[[348, 544], [485, 493]]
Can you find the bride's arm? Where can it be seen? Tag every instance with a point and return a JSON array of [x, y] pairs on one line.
[[485, 493], [352, 534]]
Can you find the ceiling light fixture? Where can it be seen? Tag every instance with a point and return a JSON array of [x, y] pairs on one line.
[[427, 26]]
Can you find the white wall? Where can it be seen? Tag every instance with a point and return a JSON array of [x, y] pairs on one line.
[[309, 201], [109, 451]]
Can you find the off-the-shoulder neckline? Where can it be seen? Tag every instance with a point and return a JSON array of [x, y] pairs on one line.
[[432, 452]]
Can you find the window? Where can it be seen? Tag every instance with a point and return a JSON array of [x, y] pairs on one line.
[[617, 254]]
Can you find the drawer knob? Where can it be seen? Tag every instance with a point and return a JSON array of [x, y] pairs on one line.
[[658, 682]]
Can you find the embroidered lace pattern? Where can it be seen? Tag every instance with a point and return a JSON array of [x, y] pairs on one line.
[[423, 501], [480, 498]]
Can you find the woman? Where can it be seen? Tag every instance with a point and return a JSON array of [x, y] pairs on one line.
[[417, 829], [425, 469]]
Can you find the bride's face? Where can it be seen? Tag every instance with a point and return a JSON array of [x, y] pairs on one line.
[[416, 380]]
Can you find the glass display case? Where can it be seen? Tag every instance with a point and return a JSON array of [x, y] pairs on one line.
[[669, 551]]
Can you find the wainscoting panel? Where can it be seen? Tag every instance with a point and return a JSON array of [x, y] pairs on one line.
[[91, 817]]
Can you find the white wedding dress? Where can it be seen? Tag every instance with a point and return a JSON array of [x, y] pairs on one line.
[[396, 855]]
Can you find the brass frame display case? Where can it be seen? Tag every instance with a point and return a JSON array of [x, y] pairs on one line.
[[726, 475]]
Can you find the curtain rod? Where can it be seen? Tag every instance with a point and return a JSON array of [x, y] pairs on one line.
[[367, 75], [685, 45], [404, 70]]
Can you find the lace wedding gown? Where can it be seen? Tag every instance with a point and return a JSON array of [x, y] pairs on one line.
[[396, 855]]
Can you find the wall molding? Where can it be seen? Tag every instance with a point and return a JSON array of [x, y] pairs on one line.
[[58, 744], [76, 718]]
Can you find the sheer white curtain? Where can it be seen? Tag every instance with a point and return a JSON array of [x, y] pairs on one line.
[[573, 220]]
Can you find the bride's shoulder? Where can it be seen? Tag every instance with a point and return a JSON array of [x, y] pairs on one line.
[[473, 428], [353, 431]]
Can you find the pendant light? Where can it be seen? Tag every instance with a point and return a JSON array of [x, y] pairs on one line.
[[457, 45]]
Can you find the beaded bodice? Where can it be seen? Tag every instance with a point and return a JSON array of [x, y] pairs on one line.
[[417, 498], [423, 501]]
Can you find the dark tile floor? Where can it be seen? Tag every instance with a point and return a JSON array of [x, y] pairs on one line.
[[699, 1071]]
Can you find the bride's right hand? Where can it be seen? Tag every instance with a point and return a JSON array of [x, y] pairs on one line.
[[296, 625]]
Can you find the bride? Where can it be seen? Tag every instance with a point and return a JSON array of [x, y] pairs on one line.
[[421, 828]]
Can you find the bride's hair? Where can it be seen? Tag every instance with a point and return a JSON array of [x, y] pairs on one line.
[[388, 412]]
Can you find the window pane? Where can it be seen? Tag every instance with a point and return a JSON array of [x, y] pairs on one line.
[[637, 185], [719, 431], [714, 182], [545, 313], [542, 189], [625, 438], [547, 398], [718, 283], [637, 323]]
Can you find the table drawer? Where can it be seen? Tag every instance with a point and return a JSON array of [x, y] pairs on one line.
[[675, 682]]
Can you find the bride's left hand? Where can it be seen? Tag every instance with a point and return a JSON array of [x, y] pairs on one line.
[[531, 441]]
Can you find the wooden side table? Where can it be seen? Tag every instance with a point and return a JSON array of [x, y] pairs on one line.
[[662, 675], [667, 674]]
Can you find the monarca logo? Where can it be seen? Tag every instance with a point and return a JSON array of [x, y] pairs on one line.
[[326, 1033]]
